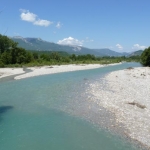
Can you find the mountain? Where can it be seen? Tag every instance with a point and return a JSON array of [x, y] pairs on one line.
[[41, 45], [136, 53], [108, 52]]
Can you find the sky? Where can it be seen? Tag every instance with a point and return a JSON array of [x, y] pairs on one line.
[[120, 25]]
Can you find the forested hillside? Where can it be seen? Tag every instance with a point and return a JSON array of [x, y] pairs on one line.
[[13, 56]]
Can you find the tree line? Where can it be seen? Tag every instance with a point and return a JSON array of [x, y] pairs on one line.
[[12, 55], [145, 57]]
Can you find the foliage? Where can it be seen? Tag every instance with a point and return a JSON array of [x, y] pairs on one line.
[[145, 57], [6, 44], [12, 55], [1, 64]]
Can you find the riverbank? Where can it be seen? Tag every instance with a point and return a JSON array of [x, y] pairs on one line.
[[5, 72], [37, 71], [126, 93]]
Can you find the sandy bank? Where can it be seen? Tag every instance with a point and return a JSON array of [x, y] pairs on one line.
[[37, 71], [126, 94], [4, 72]]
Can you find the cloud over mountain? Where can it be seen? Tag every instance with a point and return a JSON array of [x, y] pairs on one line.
[[119, 46], [138, 47], [70, 41]]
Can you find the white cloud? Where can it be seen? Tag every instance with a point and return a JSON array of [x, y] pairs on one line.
[[40, 22], [70, 41], [138, 47], [59, 25], [119, 46], [26, 15]]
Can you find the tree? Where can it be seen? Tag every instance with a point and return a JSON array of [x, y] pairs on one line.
[[11, 54], [73, 57], [45, 57], [6, 58], [6, 44], [18, 55], [35, 55], [145, 57], [28, 57], [55, 56]]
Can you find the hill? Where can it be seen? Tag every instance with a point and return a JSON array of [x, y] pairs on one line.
[[41, 45], [136, 53]]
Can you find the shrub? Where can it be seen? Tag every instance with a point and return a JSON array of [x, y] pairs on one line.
[[145, 57], [1, 64]]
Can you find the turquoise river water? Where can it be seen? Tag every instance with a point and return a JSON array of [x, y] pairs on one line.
[[50, 112]]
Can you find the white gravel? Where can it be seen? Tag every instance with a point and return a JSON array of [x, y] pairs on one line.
[[4, 72], [37, 71], [127, 95]]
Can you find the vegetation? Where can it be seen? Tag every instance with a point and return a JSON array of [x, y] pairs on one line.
[[145, 57], [13, 56]]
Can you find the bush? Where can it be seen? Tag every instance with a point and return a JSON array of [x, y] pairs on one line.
[[145, 57], [1, 64]]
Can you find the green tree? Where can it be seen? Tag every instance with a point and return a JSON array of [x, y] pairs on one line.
[[45, 57], [145, 57], [6, 58], [35, 55], [28, 57], [73, 57], [18, 55], [6, 44], [55, 56]]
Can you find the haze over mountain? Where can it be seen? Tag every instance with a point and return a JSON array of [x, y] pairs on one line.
[[136, 53], [41, 45]]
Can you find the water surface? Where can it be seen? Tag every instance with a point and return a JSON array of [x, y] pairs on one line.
[[51, 112]]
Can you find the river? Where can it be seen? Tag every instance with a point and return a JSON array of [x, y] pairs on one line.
[[54, 112]]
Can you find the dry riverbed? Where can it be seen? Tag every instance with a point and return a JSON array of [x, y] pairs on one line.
[[127, 95], [37, 71]]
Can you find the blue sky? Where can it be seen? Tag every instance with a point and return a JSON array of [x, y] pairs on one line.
[[120, 25]]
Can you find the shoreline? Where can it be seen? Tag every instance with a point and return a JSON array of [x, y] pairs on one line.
[[126, 94], [6, 72], [45, 70]]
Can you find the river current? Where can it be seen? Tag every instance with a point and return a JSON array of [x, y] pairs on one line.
[[53, 112]]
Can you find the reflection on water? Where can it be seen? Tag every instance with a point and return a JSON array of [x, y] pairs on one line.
[[4, 109]]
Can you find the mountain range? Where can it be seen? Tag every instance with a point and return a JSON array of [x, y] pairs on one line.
[[41, 45], [136, 53]]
